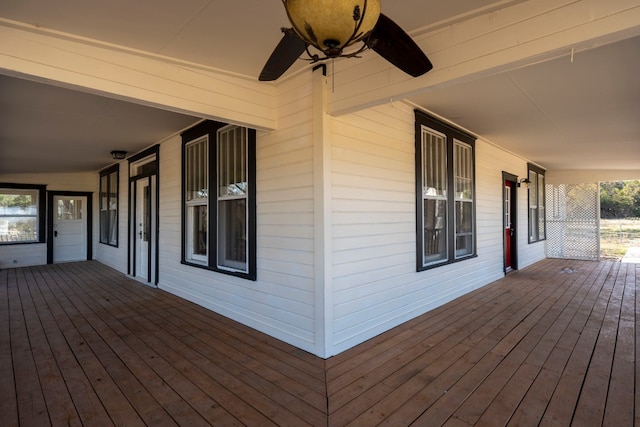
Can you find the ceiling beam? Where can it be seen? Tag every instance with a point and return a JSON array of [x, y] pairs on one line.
[[122, 73], [488, 44]]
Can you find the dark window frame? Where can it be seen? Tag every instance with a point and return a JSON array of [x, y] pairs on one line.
[[534, 234], [210, 129], [107, 172], [42, 210], [451, 135]]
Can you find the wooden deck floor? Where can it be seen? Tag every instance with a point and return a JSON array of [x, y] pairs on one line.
[[553, 344]]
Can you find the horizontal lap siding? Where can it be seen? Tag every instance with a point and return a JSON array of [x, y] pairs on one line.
[[281, 301], [375, 283]]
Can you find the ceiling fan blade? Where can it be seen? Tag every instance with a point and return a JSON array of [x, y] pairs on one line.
[[284, 55], [393, 44]]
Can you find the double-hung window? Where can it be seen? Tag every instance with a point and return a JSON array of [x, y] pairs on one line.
[[22, 213], [445, 193], [537, 221], [219, 227], [109, 206]]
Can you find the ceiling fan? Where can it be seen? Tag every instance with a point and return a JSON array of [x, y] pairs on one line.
[[333, 25]]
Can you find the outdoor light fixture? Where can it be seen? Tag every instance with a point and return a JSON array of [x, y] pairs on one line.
[[118, 154], [332, 25], [524, 181]]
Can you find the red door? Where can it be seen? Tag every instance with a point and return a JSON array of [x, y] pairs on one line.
[[508, 228]]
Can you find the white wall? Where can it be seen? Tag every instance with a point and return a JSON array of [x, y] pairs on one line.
[[372, 284], [36, 253], [281, 302], [375, 283]]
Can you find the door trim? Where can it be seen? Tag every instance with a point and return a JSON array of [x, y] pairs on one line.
[[50, 215], [513, 179]]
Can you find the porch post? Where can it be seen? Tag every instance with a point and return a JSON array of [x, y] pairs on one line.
[[323, 253]]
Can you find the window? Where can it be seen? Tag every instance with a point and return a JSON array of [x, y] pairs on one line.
[[109, 206], [219, 230], [445, 191], [22, 213], [537, 204]]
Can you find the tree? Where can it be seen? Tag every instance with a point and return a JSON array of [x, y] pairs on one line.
[[620, 199]]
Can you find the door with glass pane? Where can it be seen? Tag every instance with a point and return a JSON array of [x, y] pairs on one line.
[[144, 224], [509, 214], [69, 228], [143, 220], [143, 227]]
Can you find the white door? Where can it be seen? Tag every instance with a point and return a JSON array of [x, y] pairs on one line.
[[143, 228], [69, 228]]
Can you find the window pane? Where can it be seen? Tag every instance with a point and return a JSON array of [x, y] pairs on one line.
[[18, 229], [197, 224], [533, 193], [464, 228], [109, 207], [533, 224], [113, 191], [69, 209], [232, 234], [463, 171], [104, 226], [113, 235], [232, 162], [434, 164], [197, 170], [104, 192], [18, 215], [435, 231], [541, 207]]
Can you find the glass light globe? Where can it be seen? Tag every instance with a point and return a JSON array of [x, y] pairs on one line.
[[331, 25]]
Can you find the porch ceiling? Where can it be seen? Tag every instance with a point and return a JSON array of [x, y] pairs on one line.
[[558, 113]]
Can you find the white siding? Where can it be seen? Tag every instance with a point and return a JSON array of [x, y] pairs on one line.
[[373, 284], [281, 301], [376, 286], [36, 253]]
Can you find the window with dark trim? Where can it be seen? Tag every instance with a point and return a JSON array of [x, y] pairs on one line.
[[445, 193], [537, 204], [218, 198], [22, 213], [109, 181]]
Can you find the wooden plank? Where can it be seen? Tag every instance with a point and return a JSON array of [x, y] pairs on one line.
[[513, 348], [411, 358], [88, 405], [225, 368], [177, 409], [32, 409], [412, 396], [531, 349], [8, 402], [497, 397], [60, 406], [619, 407], [111, 396], [590, 407], [563, 401], [533, 405]]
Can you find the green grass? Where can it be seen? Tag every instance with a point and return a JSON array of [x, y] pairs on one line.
[[618, 235]]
